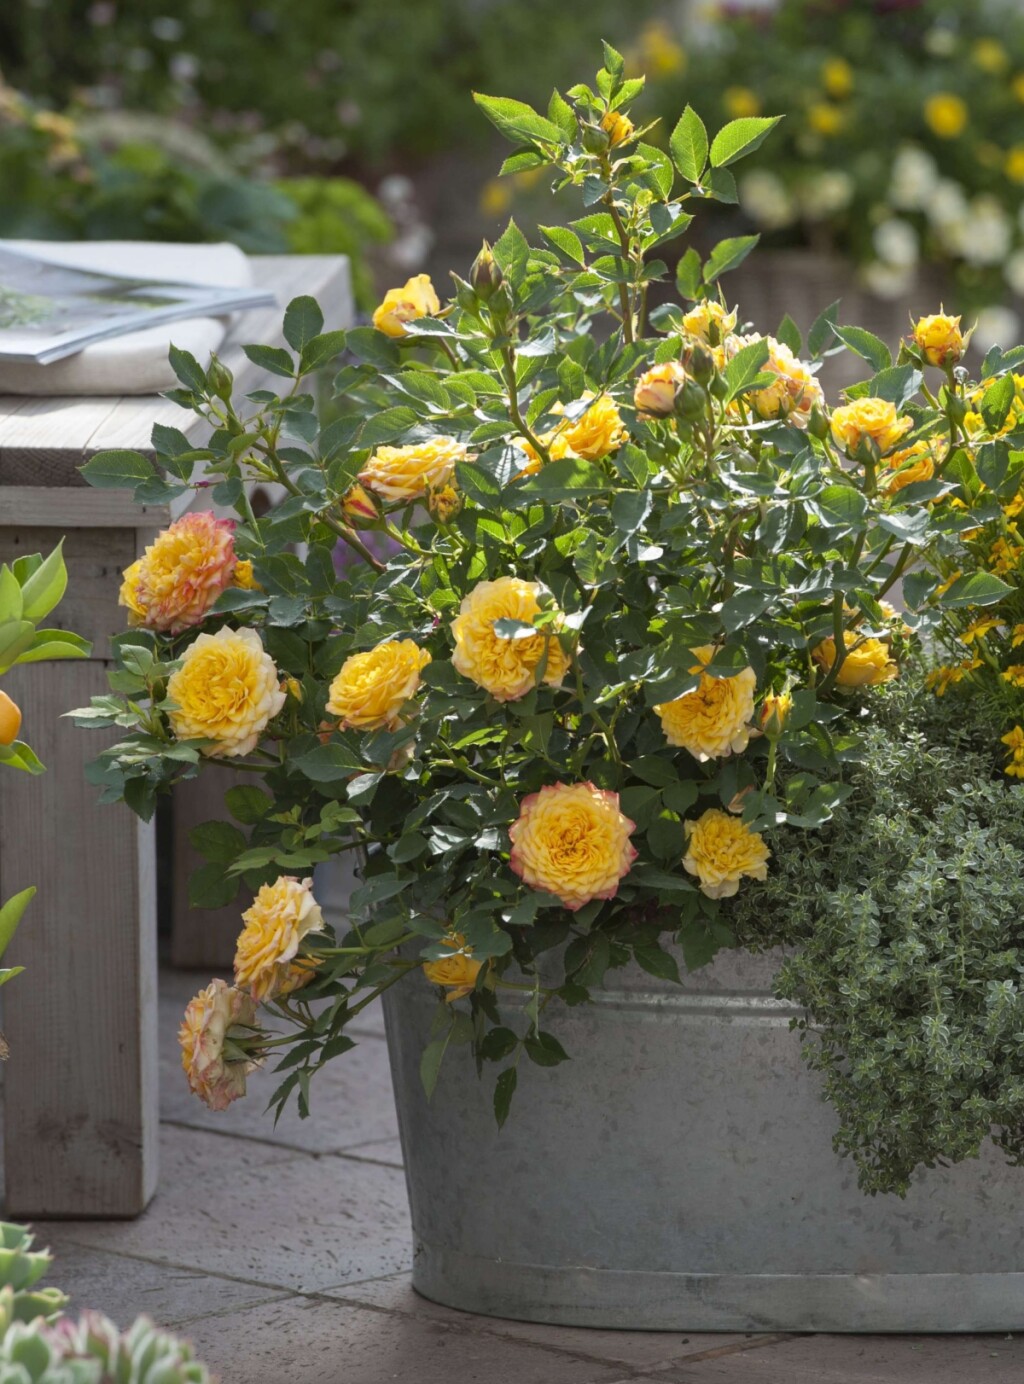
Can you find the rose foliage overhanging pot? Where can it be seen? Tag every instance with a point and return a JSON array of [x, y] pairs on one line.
[[600, 656]]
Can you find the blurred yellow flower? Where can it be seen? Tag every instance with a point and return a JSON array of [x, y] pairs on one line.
[[409, 473], [1014, 165], [457, 971], [1014, 675], [740, 101], [1017, 636], [979, 628], [1004, 557], [372, 688], [837, 77], [659, 52], [714, 720], [572, 840], [280, 916], [941, 679], [506, 666], [226, 689], [495, 197], [416, 298], [945, 114], [990, 55], [721, 850], [1017, 87], [824, 118]]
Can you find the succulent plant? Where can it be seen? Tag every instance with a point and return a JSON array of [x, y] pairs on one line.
[[93, 1350], [21, 1268]]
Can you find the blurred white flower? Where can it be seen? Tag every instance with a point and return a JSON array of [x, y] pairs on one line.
[[764, 197], [167, 28], [996, 326], [915, 175], [940, 41], [987, 235], [826, 193], [888, 280], [1014, 271], [947, 204], [895, 243]]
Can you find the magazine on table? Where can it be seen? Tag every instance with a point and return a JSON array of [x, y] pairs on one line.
[[49, 311]]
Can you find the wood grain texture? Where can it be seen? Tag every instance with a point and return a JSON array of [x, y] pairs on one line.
[[81, 1088]]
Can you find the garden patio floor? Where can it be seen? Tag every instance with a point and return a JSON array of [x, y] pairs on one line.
[[283, 1254]]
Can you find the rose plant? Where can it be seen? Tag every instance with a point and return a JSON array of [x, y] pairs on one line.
[[636, 601]]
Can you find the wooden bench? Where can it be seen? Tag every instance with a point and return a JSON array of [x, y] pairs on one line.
[[81, 1088]]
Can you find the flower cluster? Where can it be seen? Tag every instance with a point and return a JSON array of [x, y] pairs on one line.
[[629, 613]]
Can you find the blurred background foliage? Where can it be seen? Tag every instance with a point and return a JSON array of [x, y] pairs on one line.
[[346, 125]]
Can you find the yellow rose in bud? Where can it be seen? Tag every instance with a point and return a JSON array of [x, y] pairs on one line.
[[372, 689], [869, 419], [945, 115], [415, 299], [409, 473], [709, 322], [358, 507], [866, 664], [721, 850], [837, 77], [10, 719], [740, 102], [226, 689], [793, 393], [444, 503], [775, 712], [656, 389], [572, 840], [911, 464], [617, 127], [939, 338], [457, 971], [244, 577], [506, 667], [280, 916], [294, 689], [714, 720]]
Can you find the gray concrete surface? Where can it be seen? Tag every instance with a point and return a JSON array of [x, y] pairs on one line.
[[283, 1254]]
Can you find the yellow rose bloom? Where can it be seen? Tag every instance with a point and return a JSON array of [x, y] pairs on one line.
[[553, 442], [793, 393], [244, 577], [721, 850], [280, 916], [714, 720], [416, 298], [208, 1021], [945, 114], [939, 338], [709, 322], [225, 690], [910, 464], [371, 689], [837, 77], [617, 127], [655, 392], [866, 663], [457, 971], [1014, 741], [409, 473], [740, 102], [868, 419], [181, 574], [572, 840], [506, 668], [596, 432]]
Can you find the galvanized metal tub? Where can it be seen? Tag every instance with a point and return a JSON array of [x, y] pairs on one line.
[[678, 1174]]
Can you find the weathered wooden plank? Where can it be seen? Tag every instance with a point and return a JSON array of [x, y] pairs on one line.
[[77, 507], [81, 1086]]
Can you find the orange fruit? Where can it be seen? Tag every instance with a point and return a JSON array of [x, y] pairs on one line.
[[10, 719]]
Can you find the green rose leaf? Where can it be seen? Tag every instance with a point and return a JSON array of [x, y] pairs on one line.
[[741, 137]]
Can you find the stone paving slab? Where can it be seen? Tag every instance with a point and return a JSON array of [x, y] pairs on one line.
[[304, 1342], [637, 1349], [259, 1213], [863, 1360]]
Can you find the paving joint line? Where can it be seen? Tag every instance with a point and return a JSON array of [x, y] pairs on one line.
[[287, 1148]]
